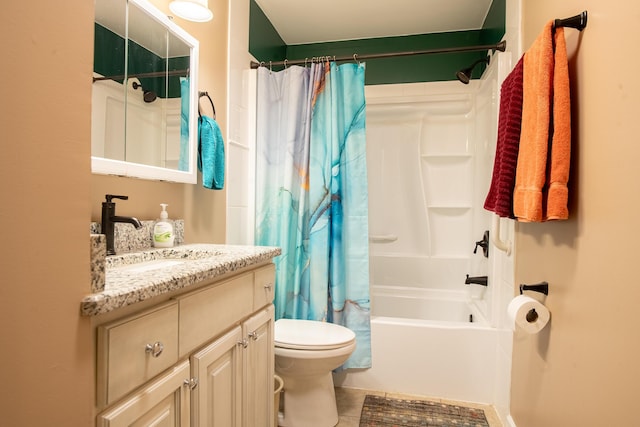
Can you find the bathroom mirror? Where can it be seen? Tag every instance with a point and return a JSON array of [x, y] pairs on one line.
[[144, 96]]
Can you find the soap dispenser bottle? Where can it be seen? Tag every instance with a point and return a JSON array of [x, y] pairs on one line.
[[163, 236]]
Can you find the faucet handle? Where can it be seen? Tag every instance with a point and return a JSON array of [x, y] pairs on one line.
[[484, 244], [113, 196]]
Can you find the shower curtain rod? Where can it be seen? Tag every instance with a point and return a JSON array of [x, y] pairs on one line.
[[499, 46], [579, 22], [143, 75]]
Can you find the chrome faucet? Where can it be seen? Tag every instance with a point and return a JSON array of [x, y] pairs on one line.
[[109, 219], [478, 280]]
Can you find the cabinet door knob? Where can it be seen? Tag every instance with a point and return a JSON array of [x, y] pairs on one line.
[[268, 286], [253, 335], [191, 383], [244, 343], [154, 349]]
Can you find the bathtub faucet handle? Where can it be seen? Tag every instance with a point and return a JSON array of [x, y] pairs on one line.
[[484, 244]]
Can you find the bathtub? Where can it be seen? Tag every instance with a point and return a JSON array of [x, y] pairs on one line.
[[429, 343], [434, 305]]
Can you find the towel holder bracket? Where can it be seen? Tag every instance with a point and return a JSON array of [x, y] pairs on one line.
[[579, 22], [542, 287]]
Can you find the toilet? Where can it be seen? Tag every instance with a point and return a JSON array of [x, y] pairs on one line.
[[306, 351]]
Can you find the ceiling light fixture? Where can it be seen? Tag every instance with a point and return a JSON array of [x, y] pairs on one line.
[[192, 10]]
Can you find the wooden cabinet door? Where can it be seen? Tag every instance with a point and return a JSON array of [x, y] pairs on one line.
[[135, 349], [216, 401], [258, 367], [163, 402]]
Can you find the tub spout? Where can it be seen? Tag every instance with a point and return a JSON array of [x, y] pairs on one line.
[[478, 280]]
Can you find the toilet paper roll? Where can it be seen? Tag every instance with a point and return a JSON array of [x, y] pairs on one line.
[[528, 314]]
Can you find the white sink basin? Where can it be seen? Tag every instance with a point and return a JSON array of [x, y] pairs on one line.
[[154, 259], [142, 267]]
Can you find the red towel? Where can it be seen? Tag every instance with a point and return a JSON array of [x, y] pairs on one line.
[[500, 196]]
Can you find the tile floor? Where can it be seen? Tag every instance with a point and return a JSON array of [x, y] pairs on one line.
[[350, 402]]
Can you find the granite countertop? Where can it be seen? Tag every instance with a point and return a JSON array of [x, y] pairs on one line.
[[131, 278]]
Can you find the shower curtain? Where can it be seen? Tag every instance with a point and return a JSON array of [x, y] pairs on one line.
[[311, 195]]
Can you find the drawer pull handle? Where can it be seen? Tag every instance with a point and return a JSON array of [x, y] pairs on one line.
[[191, 383], [253, 335], [244, 343], [155, 349], [268, 286]]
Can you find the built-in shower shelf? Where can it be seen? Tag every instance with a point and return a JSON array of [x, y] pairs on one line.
[[447, 207], [446, 156]]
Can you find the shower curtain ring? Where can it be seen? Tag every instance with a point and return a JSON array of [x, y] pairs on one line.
[[270, 68], [355, 58], [285, 63]]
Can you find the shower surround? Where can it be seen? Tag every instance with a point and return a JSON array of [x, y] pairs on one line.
[[430, 150]]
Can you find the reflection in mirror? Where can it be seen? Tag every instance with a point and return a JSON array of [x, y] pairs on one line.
[[144, 94]]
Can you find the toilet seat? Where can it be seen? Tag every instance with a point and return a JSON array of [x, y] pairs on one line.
[[311, 335]]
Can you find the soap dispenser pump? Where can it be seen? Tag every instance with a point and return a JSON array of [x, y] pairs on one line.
[[163, 235]]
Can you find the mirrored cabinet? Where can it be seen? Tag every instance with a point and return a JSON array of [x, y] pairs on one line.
[[144, 97]]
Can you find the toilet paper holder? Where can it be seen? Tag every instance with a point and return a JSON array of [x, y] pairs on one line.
[[542, 287]]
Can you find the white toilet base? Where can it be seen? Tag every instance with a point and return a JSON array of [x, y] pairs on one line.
[[309, 401]]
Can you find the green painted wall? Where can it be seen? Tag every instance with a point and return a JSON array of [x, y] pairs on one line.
[[494, 24], [419, 68], [109, 59], [266, 45]]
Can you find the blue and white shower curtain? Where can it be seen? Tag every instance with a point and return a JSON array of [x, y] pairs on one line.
[[311, 195]]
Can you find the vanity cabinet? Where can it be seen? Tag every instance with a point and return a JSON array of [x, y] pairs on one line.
[[202, 358], [257, 382], [162, 402], [235, 375]]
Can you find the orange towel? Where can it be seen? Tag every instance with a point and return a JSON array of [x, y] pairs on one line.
[[558, 193], [545, 139]]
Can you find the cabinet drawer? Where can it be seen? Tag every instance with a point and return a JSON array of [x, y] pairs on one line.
[[135, 349], [206, 313], [264, 286]]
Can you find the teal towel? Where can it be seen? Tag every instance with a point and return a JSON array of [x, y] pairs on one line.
[[210, 153]]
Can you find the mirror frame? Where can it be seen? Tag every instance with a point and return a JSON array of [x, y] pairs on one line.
[[103, 166]]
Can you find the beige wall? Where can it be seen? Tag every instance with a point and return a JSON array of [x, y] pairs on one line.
[[584, 369], [203, 210], [46, 375], [48, 196]]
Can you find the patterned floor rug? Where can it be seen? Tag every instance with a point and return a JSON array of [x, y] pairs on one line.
[[379, 411]]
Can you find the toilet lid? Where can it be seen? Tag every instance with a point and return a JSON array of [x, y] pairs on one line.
[[311, 335]]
